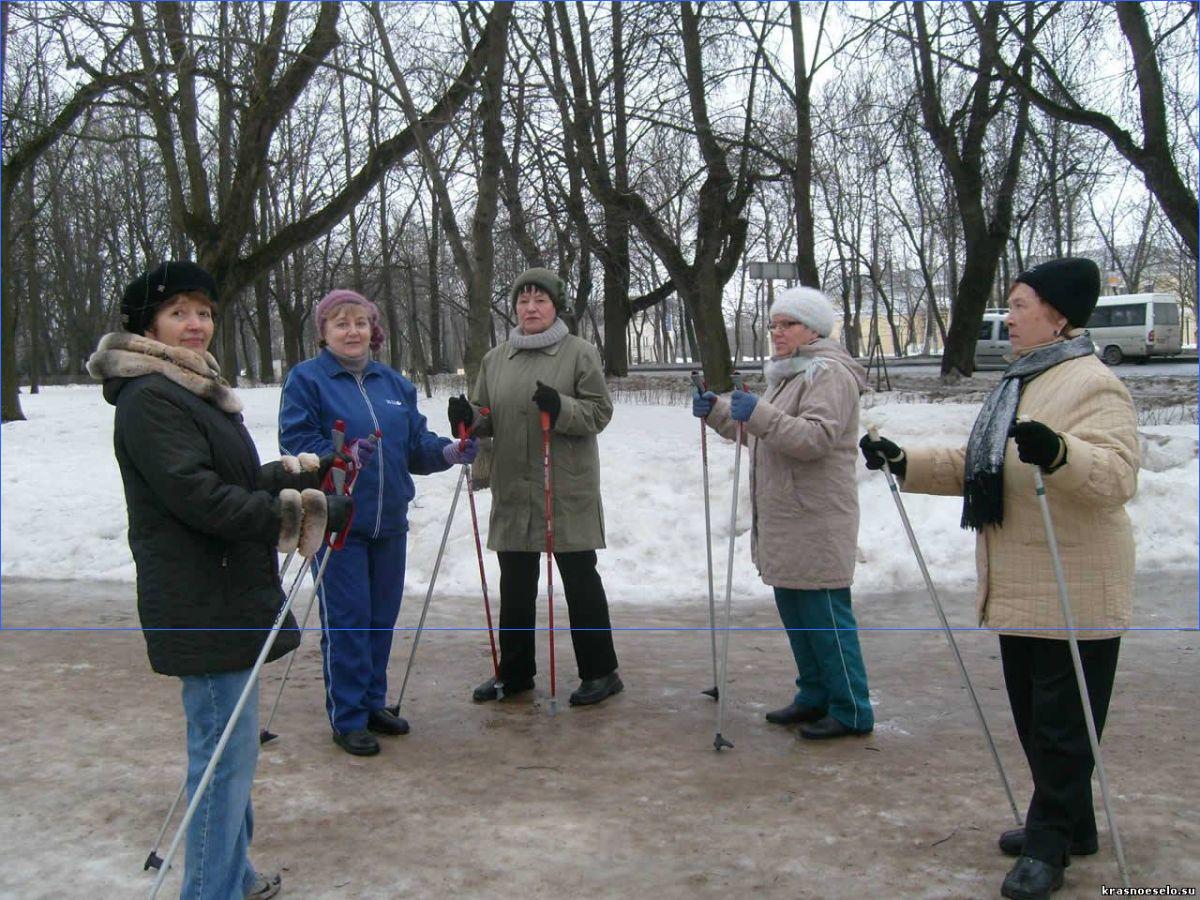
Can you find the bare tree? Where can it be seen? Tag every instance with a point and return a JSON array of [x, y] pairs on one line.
[[1154, 156]]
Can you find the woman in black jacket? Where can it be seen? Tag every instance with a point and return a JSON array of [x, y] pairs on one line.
[[205, 521]]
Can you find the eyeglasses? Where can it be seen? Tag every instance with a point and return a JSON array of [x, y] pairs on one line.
[[782, 326]]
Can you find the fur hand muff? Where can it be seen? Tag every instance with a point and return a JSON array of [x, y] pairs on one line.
[[290, 514], [312, 522]]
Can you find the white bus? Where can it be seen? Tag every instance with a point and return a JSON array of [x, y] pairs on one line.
[[1135, 326]]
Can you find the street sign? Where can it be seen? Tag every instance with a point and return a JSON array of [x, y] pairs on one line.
[[774, 271]]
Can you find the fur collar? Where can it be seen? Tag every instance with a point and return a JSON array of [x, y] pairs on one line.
[[121, 354]]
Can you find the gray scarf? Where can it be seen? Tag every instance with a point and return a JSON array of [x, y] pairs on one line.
[[548, 338], [779, 369], [983, 489]]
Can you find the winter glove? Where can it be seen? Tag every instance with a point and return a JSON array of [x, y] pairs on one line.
[[877, 451], [355, 454], [360, 450], [460, 412], [702, 404], [302, 519], [548, 401], [455, 456], [741, 405], [293, 472], [338, 510], [1038, 445]]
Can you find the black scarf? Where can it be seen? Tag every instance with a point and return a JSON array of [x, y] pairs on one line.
[[983, 488]]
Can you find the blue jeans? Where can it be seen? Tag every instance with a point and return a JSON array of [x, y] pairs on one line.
[[217, 862], [824, 639]]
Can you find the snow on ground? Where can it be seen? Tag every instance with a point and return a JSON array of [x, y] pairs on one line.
[[63, 510]]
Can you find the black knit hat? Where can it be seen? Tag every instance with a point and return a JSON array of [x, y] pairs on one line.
[[150, 290], [545, 279], [1071, 285]]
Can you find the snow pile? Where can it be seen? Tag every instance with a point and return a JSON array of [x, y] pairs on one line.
[[64, 510]]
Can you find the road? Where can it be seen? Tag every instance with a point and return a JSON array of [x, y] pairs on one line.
[[627, 799]]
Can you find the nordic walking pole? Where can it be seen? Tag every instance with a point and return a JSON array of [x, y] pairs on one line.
[[873, 432], [437, 564], [714, 692], [547, 490], [1069, 619], [229, 726], [153, 860], [487, 608], [720, 741]]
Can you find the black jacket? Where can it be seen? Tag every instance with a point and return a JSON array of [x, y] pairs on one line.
[[202, 532]]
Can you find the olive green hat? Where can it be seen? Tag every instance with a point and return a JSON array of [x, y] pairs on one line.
[[545, 279]]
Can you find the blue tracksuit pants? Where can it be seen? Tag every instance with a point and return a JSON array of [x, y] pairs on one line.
[[359, 601], [824, 639]]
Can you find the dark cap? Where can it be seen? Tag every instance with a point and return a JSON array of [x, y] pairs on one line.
[[1070, 285], [149, 291], [547, 280]]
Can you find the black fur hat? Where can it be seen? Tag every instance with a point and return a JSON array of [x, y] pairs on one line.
[[150, 290], [1070, 285]]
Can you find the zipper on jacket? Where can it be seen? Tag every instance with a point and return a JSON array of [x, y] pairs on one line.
[[379, 449]]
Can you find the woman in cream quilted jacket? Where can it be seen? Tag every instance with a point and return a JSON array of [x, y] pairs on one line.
[[1057, 406]]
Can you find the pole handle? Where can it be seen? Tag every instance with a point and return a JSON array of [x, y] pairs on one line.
[[873, 432], [698, 383], [339, 435], [545, 417], [739, 383]]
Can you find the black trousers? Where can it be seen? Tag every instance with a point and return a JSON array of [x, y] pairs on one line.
[[1048, 713], [587, 608]]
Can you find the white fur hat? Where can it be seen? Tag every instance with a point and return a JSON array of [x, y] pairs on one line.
[[808, 306]]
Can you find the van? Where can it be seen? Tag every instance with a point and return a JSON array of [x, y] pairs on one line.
[[1135, 326], [992, 345]]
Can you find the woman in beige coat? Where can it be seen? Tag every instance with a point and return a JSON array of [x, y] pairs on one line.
[[1078, 424], [543, 368], [805, 500]]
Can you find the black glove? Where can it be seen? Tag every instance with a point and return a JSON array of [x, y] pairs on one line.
[[460, 412], [1037, 444], [548, 401], [338, 509], [875, 452]]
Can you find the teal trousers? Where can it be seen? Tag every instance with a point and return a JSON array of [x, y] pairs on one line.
[[824, 639]]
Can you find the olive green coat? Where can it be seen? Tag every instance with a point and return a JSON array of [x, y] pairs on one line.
[[508, 377]]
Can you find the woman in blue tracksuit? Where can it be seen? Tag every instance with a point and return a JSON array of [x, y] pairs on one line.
[[363, 583]]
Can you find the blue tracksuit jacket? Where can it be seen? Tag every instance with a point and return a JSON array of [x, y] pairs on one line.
[[319, 391]]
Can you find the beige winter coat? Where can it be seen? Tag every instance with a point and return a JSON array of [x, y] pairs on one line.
[[802, 437], [507, 379], [1017, 593]]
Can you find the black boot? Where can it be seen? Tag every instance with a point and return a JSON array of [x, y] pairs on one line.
[[793, 713], [357, 743], [829, 727], [488, 690], [1031, 879], [384, 721], [596, 689], [1012, 842]]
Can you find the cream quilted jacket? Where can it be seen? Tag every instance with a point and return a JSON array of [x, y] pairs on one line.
[[1017, 593]]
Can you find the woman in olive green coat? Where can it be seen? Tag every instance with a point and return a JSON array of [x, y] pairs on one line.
[[544, 368]]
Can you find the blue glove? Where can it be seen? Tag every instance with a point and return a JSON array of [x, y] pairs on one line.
[[455, 457], [702, 404], [741, 405]]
